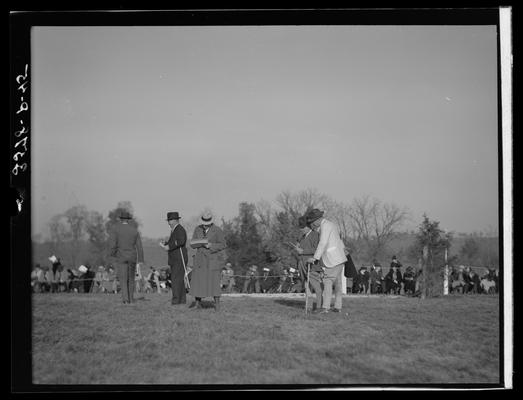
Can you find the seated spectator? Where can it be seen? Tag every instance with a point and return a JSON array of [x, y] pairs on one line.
[[471, 281], [409, 279], [289, 281], [281, 285], [350, 273], [153, 281], [55, 263], [252, 283], [363, 280], [267, 282], [394, 280], [164, 280], [376, 279], [99, 278], [86, 278], [227, 278], [63, 279], [487, 283], [52, 278], [457, 279], [46, 279], [296, 285], [395, 263], [74, 280], [111, 284]]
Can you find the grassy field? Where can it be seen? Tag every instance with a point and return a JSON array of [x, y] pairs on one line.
[[94, 339]]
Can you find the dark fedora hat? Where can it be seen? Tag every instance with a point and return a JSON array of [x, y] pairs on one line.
[[313, 215], [125, 215], [173, 215]]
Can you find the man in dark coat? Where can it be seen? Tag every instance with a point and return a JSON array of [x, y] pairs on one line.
[[176, 249], [363, 280], [376, 279], [394, 280], [209, 242], [125, 250], [409, 280], [350, 272], [267, 281], [307, 244]]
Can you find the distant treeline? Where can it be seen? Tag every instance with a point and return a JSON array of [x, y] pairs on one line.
[[371, 229], [467, 249]]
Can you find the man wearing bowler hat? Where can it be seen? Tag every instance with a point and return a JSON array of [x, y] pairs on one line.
[[177, 257], [125, 250], [331, 251]]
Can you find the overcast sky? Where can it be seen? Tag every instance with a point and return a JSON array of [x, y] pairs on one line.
[[183, 118]]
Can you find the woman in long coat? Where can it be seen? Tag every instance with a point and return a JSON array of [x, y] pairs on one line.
[[209, 242]]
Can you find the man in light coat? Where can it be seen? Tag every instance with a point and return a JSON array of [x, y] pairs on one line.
[[331, 251]]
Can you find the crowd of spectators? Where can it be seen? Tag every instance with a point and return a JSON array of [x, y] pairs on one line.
[[279, 279], [58, 279], [395, 280], [465, 280]]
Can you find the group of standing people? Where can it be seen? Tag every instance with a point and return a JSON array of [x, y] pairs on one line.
[[321, 259], [126, 250]]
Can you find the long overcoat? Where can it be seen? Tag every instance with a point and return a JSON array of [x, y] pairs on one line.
[[176, 244], [207, 263]]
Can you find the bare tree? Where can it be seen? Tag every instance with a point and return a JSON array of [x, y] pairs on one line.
[[76, 218], [95, 227], [265, 214], [297, 204], [59, 233], [339, 213], [375, 222]]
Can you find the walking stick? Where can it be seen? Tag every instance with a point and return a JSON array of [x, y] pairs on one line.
[[185, 277], [306, 289]]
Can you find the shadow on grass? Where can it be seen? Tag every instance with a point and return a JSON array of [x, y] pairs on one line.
[[291, 303], [205, 304]]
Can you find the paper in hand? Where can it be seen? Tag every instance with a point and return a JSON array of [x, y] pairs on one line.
[[199, 242]]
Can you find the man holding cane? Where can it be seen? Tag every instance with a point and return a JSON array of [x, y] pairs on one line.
[[331, 251], [311, 272], [177, 258]]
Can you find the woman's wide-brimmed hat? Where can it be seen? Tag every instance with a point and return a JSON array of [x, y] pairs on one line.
[[206, 218]]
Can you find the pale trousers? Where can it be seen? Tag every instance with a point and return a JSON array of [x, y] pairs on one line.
[[332, 277]]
